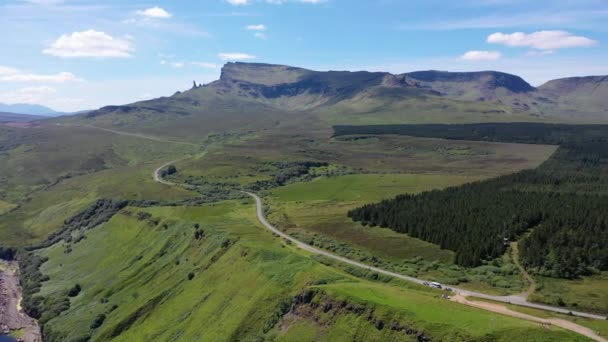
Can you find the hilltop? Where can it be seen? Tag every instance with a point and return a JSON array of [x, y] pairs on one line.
[[29, 109], [259, 95]]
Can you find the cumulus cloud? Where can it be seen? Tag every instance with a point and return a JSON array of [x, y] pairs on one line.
[[259, 27], [90, 43], [542, 40], [478, 55], [238, 2], [27, 95], [206, 65], [232, 56], [8, 74], [154, 12]]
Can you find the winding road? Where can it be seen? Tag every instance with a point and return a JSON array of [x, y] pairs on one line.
[[461, 294], [515, 299]]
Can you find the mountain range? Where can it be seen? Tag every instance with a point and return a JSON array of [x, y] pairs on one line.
[[28, 109], [334, 97]]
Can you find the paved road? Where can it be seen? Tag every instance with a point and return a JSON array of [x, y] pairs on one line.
[[504, 299], [460, 293], [515, 299]]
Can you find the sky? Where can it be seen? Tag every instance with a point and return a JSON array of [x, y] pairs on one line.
[[83, 54]]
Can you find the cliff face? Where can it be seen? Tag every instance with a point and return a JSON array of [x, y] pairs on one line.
[[285, 88]]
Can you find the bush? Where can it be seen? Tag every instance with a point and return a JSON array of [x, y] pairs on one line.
[[98, 321], [74, 291]]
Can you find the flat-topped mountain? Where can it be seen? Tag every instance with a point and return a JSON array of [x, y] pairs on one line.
[[468, 85], [246, 93]]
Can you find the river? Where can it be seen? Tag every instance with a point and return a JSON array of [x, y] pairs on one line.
[[6, 338]]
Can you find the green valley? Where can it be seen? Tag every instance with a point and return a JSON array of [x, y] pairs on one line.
[[133, 223]]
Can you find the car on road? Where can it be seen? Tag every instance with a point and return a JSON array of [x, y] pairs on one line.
[[426, 283], [436, 285]]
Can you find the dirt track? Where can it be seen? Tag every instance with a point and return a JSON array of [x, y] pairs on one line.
[[529, 279], [562, 323], [10, 297]]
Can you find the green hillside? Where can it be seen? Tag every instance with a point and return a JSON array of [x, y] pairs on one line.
[[160, 282], [184, 258]]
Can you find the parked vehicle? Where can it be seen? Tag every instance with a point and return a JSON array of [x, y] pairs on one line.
[[436, 285]]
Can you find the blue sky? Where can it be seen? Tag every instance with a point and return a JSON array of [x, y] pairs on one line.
[[83, 54]]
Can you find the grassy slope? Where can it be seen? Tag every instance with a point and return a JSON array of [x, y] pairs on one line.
[[587, 293], [49, 173], [36, 158], [321, 206], [235, 290], [34, 220], [189, 116]]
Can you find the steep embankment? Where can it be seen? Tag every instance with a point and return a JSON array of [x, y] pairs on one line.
[[209, 273]]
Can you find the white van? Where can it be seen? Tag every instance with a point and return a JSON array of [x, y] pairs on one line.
[[436, 285]]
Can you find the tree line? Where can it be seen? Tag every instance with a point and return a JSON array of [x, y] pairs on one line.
[[563, 204]]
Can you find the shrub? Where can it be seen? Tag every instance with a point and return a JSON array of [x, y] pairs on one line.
[[74, 291], [98, 321]]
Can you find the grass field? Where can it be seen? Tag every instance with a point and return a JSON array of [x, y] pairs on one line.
[[250, 160], [34, 220], [144, 289], [588, 293], [316, 212], [36, 158], [5, 207]]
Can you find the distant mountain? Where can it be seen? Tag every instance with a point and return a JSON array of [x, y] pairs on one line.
[[262, 95], [483, 85], [13, 117], [30, 109]]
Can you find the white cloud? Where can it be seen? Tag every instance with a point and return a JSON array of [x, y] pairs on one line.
[[273, 2], [62, 77], [90, 43], [8, 74], [27, 95], [173, 64], [231, 56], [542, 40], [260, 27], [582, 18], [4, 70], [44, 2], [477, 55], [154, 12], [206, 65]]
